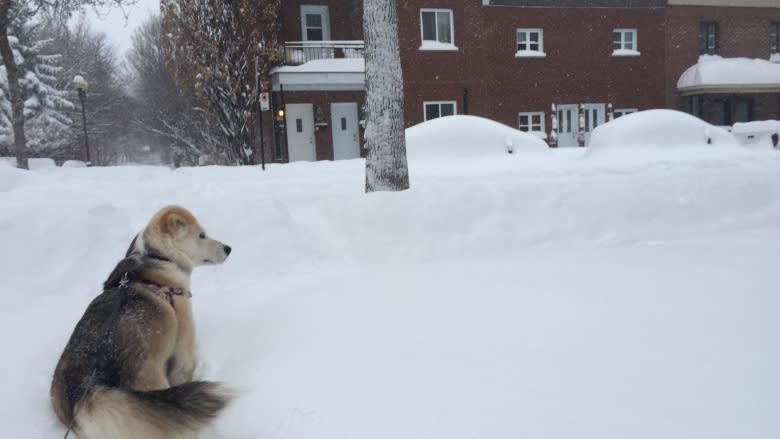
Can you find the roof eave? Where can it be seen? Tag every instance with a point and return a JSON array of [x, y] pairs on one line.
[[729, 88]]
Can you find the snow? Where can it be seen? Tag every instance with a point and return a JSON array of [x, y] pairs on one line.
[[775, 58], [40, 163], [74, 164], [530, 54], [713, 70], [662, 133], [462, 136], [757, 133], [437, 46], [559, 297], [334, 65], [625, 52]]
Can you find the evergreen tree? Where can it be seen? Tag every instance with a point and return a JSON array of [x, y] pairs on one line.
[[9, 11], [45, 106]]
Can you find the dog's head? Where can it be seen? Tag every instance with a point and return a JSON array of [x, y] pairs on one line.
[[174, 233]]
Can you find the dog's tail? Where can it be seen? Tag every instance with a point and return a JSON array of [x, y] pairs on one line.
[[171, 413]]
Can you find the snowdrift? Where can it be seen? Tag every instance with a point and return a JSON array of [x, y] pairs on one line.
[[578, 299]]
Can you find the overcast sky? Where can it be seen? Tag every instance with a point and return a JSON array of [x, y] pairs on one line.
[[119, 28]]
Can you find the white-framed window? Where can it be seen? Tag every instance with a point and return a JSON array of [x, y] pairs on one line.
[[315, 23], [531, 121], [436, 109], [624, 42], [437, 29], [530, 43], [618, 112]]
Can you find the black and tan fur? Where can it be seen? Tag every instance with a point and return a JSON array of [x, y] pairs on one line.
[[127, 369]]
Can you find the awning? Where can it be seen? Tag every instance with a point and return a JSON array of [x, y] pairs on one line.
[[321, 75], [714, 74]]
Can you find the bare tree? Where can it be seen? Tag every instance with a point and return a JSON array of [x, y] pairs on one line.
[[216, 45], [89, 54], [7, 7], [386, 168]]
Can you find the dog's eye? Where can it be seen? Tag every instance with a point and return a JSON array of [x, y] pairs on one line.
[[202, 236]]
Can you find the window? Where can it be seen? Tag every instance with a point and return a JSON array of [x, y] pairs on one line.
[[315, 23], [531, 122], [436, 109], [530, 43], [743, 110], [774, 37], [709, 39], [436, 26], [717, 112], [622, 112], [624, 42]]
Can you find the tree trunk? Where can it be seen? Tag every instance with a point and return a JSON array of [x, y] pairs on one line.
[[386, 168], [17, 106]]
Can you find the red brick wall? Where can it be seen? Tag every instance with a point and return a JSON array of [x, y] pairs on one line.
[[346, 19], [579, 67]]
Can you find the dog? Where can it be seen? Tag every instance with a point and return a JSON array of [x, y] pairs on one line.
[[127, 370]]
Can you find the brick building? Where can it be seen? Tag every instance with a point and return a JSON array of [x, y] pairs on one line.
[[511, 60]]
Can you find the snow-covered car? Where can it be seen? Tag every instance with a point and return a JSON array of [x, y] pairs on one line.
[[761, 134], [658, 130], [468, 137]]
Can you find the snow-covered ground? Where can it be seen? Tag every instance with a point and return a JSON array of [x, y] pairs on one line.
[[546, 296]]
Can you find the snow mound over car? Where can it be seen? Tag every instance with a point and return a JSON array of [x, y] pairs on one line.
[[659, 131], [468, 137], [758, 133]]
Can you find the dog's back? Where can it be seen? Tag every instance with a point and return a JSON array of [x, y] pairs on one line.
[[92, 391]]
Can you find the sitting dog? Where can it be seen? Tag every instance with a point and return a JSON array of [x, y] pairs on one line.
[[127, 369]]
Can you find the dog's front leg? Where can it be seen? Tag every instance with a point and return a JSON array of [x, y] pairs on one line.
[[182, 367]]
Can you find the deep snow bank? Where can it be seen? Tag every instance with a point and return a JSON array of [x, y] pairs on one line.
[[561, 298]]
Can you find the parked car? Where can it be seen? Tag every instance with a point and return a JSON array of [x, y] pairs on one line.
[[761, 134]]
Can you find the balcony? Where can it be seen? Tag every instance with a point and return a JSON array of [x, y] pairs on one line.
[[299, 52]]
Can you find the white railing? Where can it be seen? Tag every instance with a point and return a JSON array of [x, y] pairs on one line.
[[299, 52]]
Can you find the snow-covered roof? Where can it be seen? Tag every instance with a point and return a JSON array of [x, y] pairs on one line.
[[714, 74], [322, 74]]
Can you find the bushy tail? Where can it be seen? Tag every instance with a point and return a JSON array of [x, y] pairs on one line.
[[109, 413]]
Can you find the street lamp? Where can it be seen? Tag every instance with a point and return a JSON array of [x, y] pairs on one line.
[[81, 85]]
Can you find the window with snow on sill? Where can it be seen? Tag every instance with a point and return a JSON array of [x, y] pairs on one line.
[[530, 54], [625, 52], [437, 46]]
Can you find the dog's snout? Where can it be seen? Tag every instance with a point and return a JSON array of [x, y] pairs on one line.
[[227, 250]]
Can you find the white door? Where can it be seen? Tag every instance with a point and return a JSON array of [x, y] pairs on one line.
[[594, 116], [344, 122], [299, 119], [315, 23], [567, 125]]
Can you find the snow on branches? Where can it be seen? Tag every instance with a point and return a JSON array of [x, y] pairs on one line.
[[45, 105], [223, 48]]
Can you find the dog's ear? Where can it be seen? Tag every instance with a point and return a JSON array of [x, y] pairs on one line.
[[174, 225]]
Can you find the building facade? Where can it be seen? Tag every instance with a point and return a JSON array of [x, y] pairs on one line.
[[532, 64]]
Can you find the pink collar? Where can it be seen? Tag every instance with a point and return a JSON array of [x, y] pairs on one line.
[[165, 292]]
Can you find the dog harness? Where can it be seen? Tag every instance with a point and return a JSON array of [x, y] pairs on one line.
[[165, 292]]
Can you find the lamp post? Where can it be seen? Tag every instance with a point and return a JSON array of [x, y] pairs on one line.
[[81, 85]]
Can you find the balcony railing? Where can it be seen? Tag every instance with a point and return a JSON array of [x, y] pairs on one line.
[[299, 52]]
